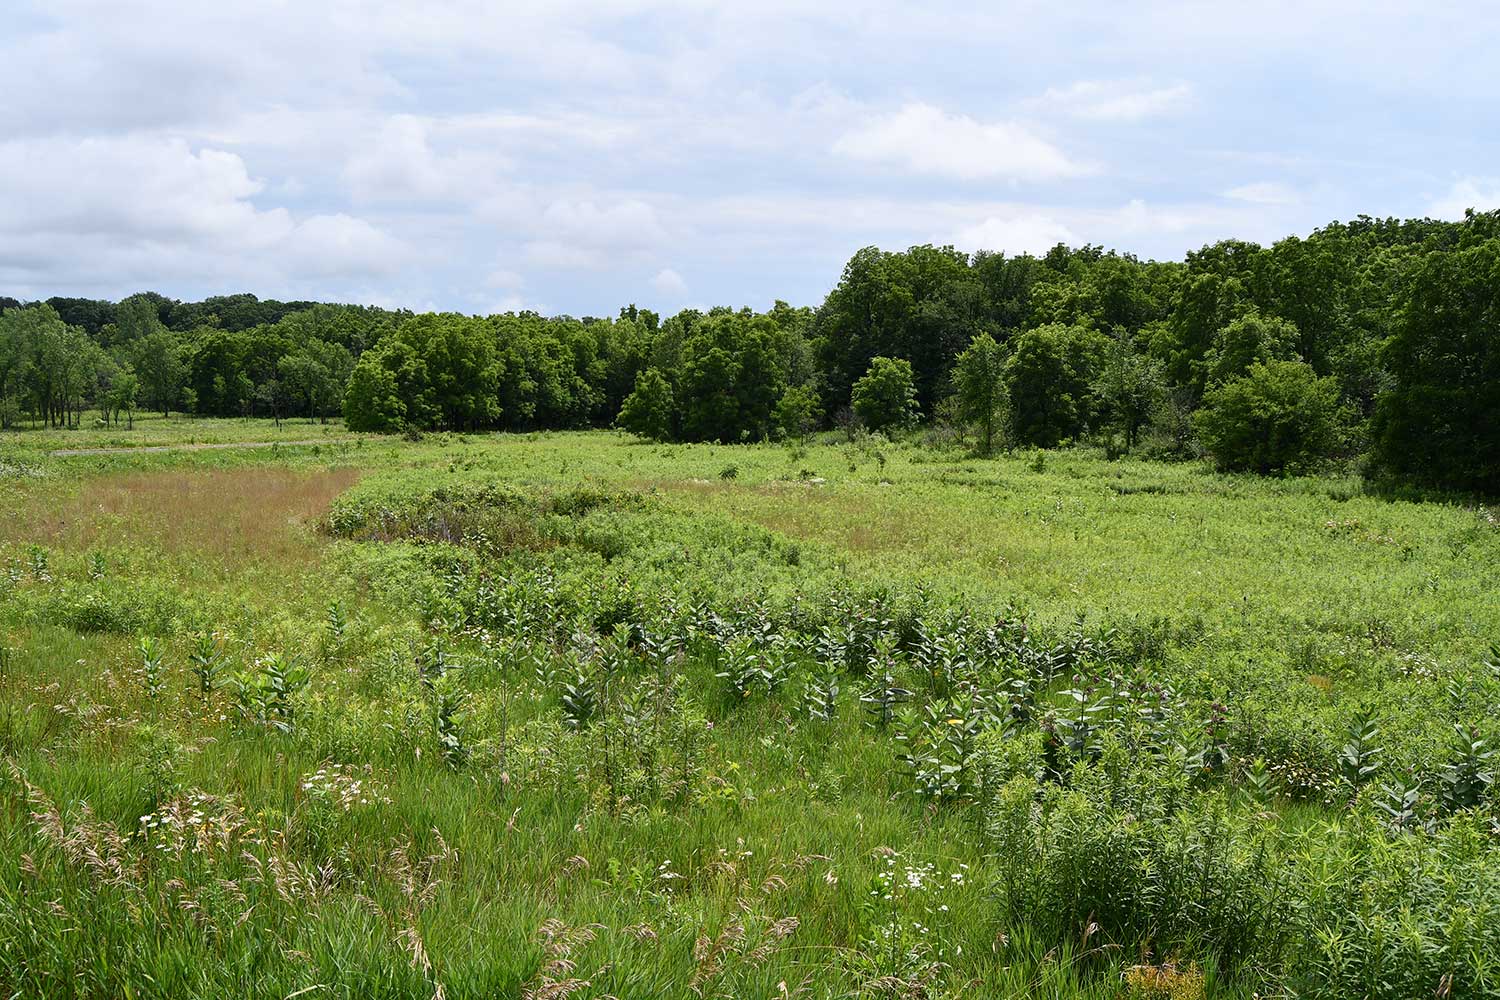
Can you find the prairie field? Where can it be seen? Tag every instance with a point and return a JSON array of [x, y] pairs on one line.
[[571, 714]]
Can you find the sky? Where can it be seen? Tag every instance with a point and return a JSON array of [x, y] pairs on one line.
[[572, 157]]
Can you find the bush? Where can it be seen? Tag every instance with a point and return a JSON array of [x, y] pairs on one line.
[[886, 398], [1279, 417], [796, 414], [647, 412]]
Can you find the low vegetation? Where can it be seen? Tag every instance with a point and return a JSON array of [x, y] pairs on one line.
[[572, 714]]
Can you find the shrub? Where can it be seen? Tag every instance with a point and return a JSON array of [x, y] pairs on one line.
[[647, 412], [797, 413], [886, 398], [1279, 417]]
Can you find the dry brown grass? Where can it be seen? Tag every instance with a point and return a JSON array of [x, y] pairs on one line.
[[254, 514]]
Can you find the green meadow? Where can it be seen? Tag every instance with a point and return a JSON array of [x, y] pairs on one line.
[[573, 714]]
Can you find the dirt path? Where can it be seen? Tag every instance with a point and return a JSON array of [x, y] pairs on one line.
[[148, 449]]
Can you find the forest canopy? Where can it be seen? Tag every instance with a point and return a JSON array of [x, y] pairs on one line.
[[1373, 343]]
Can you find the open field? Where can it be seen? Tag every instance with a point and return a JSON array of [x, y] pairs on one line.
[[566, 714], [152, 430]]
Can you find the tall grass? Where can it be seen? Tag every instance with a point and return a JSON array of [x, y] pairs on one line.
[[542, 717]]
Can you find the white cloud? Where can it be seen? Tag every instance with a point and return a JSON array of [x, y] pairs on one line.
[[335, 245], [1263, 193], [1479, 193], [669, 283], [397, 165], [140, 209], [926, 139], [504, 278], [1023, 232], [576, 234], [1116, 100], [199, 148]]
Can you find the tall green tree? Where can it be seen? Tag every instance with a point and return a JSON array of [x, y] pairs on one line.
[[47, 348], [921, 305], [1130, 387], [1050, 379], [979, 379], [372, 400], [732, 377], [14, 358], [461, 368], [135, 318], [1440, 424], [122, 394], [157, 358]]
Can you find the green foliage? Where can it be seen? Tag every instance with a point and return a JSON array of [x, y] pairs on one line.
[[446, 706], [733, 374], [648, 411], [156, 357], [580, 701], [885, 398], [919, 306], [1050, 380], [1279, 417], [1251, 339], [207, 660], [436, 370], [267, 695], [797, 413], [1359, 760], [1131, 388], [373, 400], [979, 381], [152, 666], [1436, 426]]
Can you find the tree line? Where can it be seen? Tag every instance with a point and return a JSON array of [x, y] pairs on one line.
[[1374, 342]]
